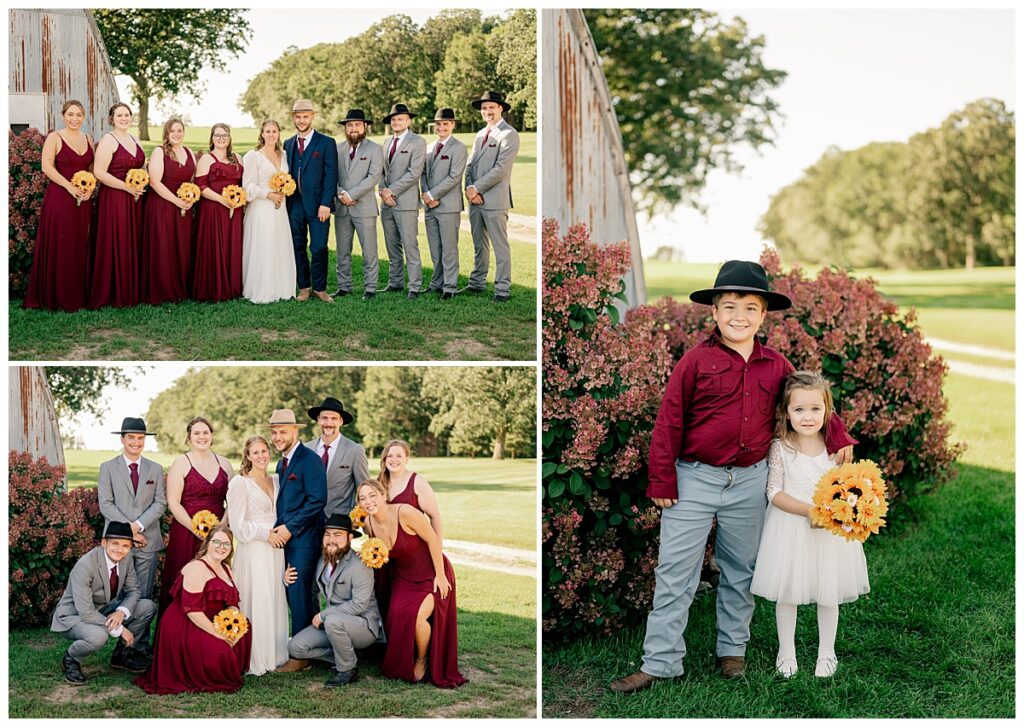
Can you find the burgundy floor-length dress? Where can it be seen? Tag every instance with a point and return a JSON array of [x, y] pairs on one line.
[[115, 259], [186, 658], [412, 580], [60, 263], [217, 270], [197, 494], [382, 576], [167, 238]]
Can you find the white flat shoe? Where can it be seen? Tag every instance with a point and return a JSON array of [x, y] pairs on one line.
[[826, 666], [786, 667]]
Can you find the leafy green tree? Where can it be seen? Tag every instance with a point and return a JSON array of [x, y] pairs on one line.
[[77, 389], [468, 70], [391, 406], [688, 87], [163, 51], [514, 48]]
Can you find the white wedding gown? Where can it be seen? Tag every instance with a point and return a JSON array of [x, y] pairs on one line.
[[268, 257], [259, 572]]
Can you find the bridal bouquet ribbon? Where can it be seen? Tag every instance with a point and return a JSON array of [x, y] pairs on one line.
[[235, 197], [188, 192], [84, 181], [231, 624], [358, 517], [203, 522], [284, 183], [374, 553], [137, 180], [849, 500]]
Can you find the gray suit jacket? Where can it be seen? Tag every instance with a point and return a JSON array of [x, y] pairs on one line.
[[490, 167], [347, 471], [118, 502], [442, 175], [87, 595], [358, 177], [349, 590], [402, 173]]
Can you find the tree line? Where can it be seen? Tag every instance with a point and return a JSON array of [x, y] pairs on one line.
[[943, 199], [471, 411], [448, 62]]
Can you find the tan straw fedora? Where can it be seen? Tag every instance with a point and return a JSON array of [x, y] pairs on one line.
[[284, 417], [303, 104]]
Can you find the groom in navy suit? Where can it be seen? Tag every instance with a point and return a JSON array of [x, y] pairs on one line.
[[299, 528], [313, 163]]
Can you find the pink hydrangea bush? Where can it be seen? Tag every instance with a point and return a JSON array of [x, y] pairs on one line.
[[49, 530], [26, 185]]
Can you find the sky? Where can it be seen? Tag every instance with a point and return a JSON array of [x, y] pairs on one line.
[[855, 76]]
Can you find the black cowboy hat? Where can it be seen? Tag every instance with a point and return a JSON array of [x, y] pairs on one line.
[[743, 277], [445, 115], [492, 96], [355, 115], [117, 529], [341, 521], [398, 108], [330, 404], [133, 425]]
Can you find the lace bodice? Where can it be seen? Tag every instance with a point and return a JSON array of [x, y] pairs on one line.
[[251, 513], [794, 473], [257, 173]]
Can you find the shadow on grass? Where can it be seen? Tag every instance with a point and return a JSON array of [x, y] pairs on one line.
[[497, 656], [934, 638]]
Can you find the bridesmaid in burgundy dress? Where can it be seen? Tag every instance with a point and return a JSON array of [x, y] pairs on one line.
[[217, 271], [421, 621], [115, 262], [60, 264], [166, 231], [197, 480], [190, 656]]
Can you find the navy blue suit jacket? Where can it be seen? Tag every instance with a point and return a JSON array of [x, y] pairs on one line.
[[302, 497], [315, 172]]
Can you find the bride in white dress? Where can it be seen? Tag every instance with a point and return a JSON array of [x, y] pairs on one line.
[[259, 567], [268, 258]]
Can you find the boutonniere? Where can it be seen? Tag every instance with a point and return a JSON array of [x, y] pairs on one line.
[[316, 155], [292, 477]]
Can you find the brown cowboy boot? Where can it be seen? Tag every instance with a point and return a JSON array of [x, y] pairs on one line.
[[732, 667], [294, 665], [636, 682], [303, 294]]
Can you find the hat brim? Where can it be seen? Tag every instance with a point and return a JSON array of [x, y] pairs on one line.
[[300, 425], [314, 413], [387, 119], [353, 532], [135, 431], [481, 101], [345, 121], [776, 301], [303, 111]]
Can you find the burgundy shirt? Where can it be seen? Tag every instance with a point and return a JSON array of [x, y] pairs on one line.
[[720, 410]]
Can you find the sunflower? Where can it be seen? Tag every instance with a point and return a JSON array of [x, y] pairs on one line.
[[358, 517], [231, 623], [203, 522], [374, 553]]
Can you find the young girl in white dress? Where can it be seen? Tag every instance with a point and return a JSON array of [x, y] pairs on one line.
[[797, 563]]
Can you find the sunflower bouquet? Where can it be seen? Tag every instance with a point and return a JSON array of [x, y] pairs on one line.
[[235, 197], [231, 624], [849, 500], [374, 553], [284, 183], [84, 181], [137, 180], [203, 522], [358, 517], [188, 192]]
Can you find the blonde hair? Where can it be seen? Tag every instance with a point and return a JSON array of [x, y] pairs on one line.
[[166, 144], [260, 142], [246, 467], [72, 102], [808, 380], [384, 477]]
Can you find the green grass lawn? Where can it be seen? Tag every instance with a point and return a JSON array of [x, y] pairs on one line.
[[497, 654], [481, 500]]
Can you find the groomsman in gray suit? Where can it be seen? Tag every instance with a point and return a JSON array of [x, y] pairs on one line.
[[442, 198], [102, 601], [350, 619], [404, 155], [360, 169], [132, 490], [489, 193], [344, 460]]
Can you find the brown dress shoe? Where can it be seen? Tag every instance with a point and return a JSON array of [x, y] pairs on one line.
[[294, 665], [303, 294], [322, 295], [636, 682], [732, 667]]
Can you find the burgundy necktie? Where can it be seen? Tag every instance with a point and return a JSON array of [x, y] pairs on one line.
[[394, 145], [324, 457], [351, 153], [486, 137], [285, 464], [437, 149], [302, 146], [134, 467], [113, 582]]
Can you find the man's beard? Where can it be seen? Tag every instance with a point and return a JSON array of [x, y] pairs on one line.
[[354, 139], [337, 555]]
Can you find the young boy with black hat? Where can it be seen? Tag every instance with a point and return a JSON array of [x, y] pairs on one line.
[[708, 461]]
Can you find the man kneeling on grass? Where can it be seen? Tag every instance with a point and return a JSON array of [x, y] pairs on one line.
[[102, 600], [350, 620]]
